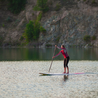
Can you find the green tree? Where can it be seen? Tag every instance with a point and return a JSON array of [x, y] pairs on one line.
[[15, 6], [36, 30], [33, 29], [29, 31], [41, 6]]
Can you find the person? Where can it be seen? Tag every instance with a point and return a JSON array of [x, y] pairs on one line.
[[66, 57]]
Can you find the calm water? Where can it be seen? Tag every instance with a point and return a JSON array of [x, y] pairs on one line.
[[21, 79], [20, 54]]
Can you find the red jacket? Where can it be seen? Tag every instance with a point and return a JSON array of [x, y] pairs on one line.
[[63, 51]]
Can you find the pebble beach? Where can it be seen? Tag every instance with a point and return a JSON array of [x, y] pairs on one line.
[[21, 79]]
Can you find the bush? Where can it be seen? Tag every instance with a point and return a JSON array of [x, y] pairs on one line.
[[48, 45], [21, 38], [1, 40], [42, 29], [39, 17], [36, 30], [57, 7], [87, 38], [3, 25], [94, 37], [33, 29], [41, 6], [29, 31], [16, 6], [93, 2]]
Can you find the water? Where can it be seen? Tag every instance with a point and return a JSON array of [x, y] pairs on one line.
[[21, 54], [21, 79], [20, 68]]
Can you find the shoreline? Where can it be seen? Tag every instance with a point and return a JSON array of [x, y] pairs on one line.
[[52, 46]]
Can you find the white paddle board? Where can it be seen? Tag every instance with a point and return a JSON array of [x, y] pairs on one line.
[[61, 73], [51, 74]]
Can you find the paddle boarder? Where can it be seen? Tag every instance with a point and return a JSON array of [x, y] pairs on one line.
[[63, 51]]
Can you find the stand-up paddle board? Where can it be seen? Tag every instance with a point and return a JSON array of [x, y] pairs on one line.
[[52, 74]]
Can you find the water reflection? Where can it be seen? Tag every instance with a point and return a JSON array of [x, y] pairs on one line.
[[20, 54], [66, 77]]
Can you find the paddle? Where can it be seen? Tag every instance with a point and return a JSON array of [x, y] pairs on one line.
[[52, 59]]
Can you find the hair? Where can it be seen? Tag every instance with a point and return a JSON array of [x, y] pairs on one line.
[[63, 46]]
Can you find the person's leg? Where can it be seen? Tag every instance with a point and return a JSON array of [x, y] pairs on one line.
[[65, 60], [64, 69], [67, 65], [67, 70]]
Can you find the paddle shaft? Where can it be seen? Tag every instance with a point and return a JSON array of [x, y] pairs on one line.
[[52, 59]]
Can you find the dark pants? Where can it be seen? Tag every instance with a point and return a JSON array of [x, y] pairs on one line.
[[66, 60]]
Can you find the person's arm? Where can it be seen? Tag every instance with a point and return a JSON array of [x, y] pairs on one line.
[[57, 47], [57, 54], [61, 48]]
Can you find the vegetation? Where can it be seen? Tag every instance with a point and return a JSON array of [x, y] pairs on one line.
[[1, 40], [33, 29], [39, 17], [94, 37], [15, 6], [3, 25], [48, 45], [58, 6], [29, 31], [93, 2], [87, 38], [41, 6], [21, 38], [42, 29]]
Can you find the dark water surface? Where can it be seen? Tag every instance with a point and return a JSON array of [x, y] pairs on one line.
[[20, 54]]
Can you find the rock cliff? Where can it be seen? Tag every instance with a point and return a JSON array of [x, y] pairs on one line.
[[66, 25]]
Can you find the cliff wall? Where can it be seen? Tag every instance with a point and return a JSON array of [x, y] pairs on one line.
[[67, 25]]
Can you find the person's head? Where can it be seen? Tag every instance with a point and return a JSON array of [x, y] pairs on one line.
[[62, 46]]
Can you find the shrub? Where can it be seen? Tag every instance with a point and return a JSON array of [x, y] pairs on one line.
[[36, 30], [42, 29], [48, 45], [87, 38], [58, 39], [15, 6], [94, 37], [93, 2], [1, 40], [39, 17], [41, 6], [29, 31], [3, 25], [57, 7], [21, 38], [33, 29]]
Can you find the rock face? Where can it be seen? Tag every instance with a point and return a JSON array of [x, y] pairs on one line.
[[67, 26], [70, 26]]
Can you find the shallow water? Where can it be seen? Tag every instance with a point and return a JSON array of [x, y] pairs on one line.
[[21, 79]]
